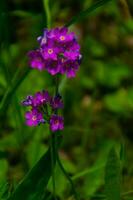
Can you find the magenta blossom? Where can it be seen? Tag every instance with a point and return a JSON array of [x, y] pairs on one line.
[[56, 123], [61, 35], [33, 118], [57, 102], [36, 59], [53, 67], [70, 68], [41, 98], [49, 51], [71, 55]]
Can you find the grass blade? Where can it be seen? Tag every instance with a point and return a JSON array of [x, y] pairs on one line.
[[86, 12], [112, 176]]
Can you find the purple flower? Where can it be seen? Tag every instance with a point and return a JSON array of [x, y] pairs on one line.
[[53, 67], [62, 35], [57, 102], [36, 60], [43, 39], [28, 101], [41, 98], [50, 51], [33, 118], [70, 68], [71, 55], [74, 46], [56, 123]]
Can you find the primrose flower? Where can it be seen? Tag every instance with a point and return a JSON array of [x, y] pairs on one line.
[[70, 68], [57, 102], [49, 51], [56, 123], [33, 118], [61, 35], [57, 47], [53, 67], [41, 98], [36, 59]]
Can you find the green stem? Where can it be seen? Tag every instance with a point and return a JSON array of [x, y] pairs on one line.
[[48, 18], [57, 153], [52, 161], [47, 10], [68, 177], [56, 85]]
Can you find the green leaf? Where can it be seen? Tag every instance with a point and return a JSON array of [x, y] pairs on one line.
[[86, 12], [120, 102], [112, 176], [35, 182]]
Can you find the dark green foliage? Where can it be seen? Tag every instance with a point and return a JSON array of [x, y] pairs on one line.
[[87, 12], [113, 176], [34, 184]]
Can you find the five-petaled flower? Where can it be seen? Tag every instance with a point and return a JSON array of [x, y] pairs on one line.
[[56, 123], [33, 118]]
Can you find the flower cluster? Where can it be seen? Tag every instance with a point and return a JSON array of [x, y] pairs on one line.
[[42, 109], [58, 52]]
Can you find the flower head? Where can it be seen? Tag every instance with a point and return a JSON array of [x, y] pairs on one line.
[[56, 123], [62, 36], [57, 46], [50, 51], [42, 106], [33, 118]]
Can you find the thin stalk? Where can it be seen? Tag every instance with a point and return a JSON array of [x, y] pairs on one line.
[[48, 18], [57, 153], [52, 139], [47, 10], [56, 85], [68, 177], [54, 146]]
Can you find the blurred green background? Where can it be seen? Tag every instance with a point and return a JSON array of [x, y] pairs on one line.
[[98, 102]]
